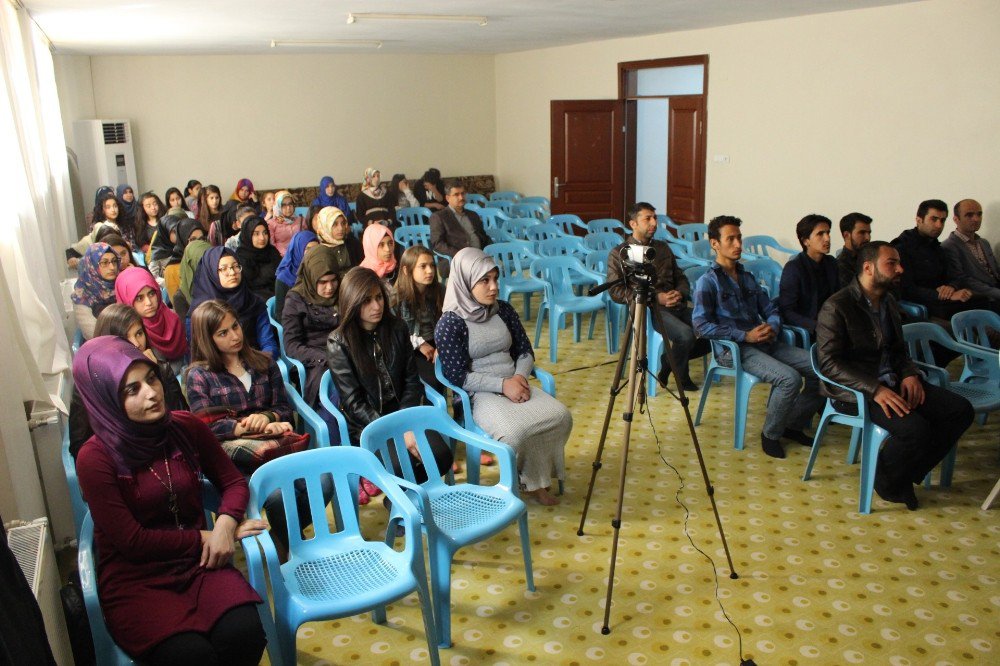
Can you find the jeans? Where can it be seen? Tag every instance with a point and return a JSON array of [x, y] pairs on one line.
[[922, 438], [794, 395], [675, 326]]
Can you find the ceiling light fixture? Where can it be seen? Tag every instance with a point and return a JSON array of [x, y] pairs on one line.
[[373, 43], [458, 18]]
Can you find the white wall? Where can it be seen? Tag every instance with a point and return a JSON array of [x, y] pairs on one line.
[[287, 120], [870, 110]]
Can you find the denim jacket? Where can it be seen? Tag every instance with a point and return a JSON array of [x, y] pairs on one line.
[[726, 309]]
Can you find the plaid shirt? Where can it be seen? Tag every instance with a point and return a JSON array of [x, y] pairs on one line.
[[207, 389], [726, 309]]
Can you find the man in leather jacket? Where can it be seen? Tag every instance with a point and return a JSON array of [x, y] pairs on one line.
[[859, 342]]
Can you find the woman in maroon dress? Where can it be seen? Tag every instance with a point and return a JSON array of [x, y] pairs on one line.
[[168, 590]]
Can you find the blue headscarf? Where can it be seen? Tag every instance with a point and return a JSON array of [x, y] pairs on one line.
[[206, 286], [91, 289], [128, 209], [325, 199], [288, 269]]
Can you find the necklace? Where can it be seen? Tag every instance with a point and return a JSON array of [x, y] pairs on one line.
[[171, 495]]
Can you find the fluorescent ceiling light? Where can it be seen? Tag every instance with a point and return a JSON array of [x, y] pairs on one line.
[[374, 43], [478, 20]]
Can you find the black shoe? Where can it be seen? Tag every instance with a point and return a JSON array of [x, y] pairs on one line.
[[689, 385], [772, 447], [663, 376], [797, 436], [910, 497], [893, 492]]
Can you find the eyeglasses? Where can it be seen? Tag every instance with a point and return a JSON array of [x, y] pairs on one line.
[[107, 263], [288, 204], [231, 268]]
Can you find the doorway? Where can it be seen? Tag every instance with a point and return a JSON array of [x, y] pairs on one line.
[[665, 131]]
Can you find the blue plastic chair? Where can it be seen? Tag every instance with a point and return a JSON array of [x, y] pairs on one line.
[[501, 204], [759, 246], [537, 211], [453, 516], [518, 226], [508, 195], [666, 223], [598, 262], [558, 273], [106, 652], [970, 327], [984, 396], [536, 200], [913, 311], [473, 198], [417, 234], [491, 217], [75, 496], [602, 241], [309, 420], [77, 341], [498, 235], [767, 272], [353, 205], [744, 384], [692, 231], [605, 225], [543, 231], [569, 223], [334, 574], [300, 370], [560, 246], [301, 211], [408, 217], [358, 229], [138, 258], [514, 259], [864, 432], [699, 249]]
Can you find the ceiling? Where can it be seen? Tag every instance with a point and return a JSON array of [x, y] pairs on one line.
[[106, 27]]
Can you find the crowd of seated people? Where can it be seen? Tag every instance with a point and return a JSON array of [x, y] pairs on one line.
[[378, 319], [189, 307]]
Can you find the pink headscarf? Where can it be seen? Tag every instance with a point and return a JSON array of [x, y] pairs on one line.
[[374, 233], [164, 330]]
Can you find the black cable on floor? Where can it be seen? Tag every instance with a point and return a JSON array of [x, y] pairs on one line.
[[687, 515]]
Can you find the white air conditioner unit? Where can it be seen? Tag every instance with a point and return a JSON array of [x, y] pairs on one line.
[[105, 155], [32, 547]]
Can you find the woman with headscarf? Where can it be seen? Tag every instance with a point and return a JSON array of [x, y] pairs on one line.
[[119, 245], [374, 370], [243, 195], [380, 252], [483, 348], [329, 196], [258, 257], [95, 286], [196, 248], [283, 223], [375, 203], [288, 269], [162, 247], [220, 276], [334, 232], [186, 230], [136, 288], [106, 213], [310, 314], [126, 202], [169, 593]]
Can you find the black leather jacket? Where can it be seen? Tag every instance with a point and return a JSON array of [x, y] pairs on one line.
[[361, 398], [849, 344]]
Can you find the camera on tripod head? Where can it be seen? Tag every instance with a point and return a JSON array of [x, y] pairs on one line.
[[638, 263]]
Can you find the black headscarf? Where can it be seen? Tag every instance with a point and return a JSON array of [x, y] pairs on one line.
[[206, 286], [162, 247]]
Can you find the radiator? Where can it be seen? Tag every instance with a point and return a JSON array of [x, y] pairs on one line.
[[32, 547]]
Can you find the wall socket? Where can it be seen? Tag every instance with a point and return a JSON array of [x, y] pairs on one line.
[[722, 159]]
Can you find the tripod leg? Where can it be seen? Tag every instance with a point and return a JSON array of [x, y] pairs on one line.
[[636, 382], [615, 390]]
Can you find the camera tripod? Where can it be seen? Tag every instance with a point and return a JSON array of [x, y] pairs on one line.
[[634, 349]]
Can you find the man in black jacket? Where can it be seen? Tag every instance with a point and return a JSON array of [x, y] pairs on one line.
[[927, 278], [856, 229], [810, 277], [859, 342], [454, 228]]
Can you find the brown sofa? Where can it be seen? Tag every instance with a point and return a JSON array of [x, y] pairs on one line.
[[304, 196]]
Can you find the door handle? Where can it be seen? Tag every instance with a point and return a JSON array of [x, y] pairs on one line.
[[555, 187]]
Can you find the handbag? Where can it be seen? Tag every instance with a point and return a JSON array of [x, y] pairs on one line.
[[251, 451]]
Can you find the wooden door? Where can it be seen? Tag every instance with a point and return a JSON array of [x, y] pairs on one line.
[[588, 158], [686, 159]]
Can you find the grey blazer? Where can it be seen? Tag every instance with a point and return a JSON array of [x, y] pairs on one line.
[[970, 273], [447, 235]]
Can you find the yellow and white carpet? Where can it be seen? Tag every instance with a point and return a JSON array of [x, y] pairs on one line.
[[819, 583]]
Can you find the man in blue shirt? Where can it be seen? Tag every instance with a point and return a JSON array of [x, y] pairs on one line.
[[729, 304]]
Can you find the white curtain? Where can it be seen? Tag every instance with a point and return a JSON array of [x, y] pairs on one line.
[[36, 213]]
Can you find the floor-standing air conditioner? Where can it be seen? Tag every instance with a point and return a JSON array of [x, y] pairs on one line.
[[32, 547], [105, 155]]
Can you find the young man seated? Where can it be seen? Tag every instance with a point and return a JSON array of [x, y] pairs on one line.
[[859, 343], [810, 277], [729, 304]]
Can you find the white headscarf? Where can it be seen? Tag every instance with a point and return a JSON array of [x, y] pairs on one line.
[[467, 268]]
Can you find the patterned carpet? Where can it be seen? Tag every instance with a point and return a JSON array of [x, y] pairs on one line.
[[819, 583]]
